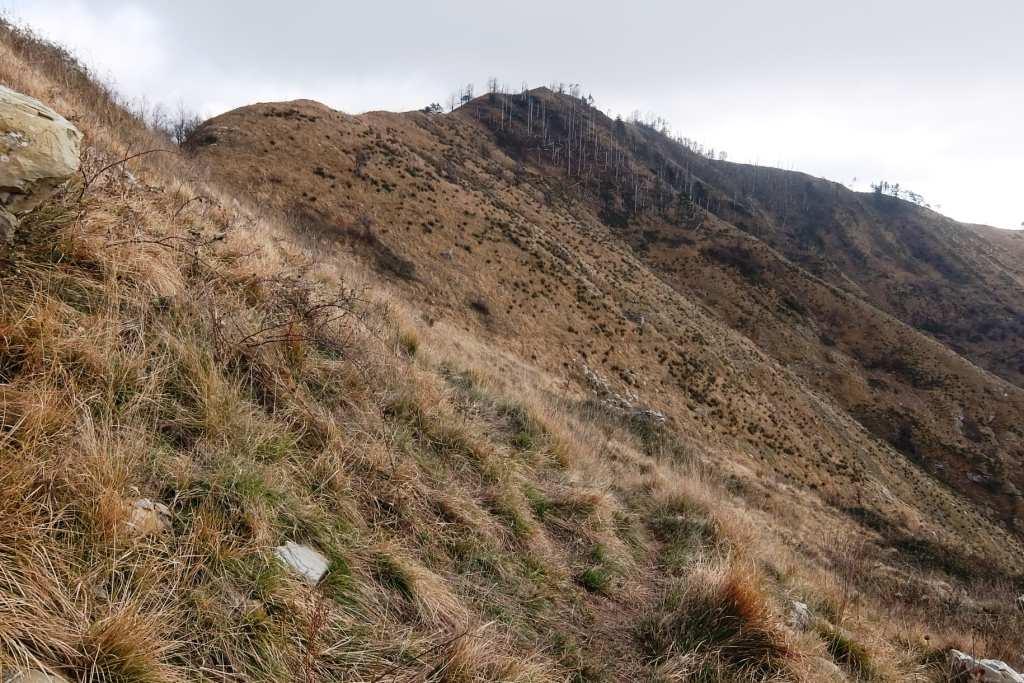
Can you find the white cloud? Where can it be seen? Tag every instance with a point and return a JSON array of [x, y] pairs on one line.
[[122, 44], [927, 93]]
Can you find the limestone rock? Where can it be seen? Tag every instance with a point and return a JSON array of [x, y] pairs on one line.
[[800, 616], [305, 561], [149, 518], [963, 667], [39, 150]]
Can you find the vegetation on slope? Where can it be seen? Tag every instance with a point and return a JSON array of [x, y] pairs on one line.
[[483, 518]]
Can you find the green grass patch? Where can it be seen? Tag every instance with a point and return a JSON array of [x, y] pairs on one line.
[[393, 576], [600, 576], [847, 652], [539, 503], [596, 579]]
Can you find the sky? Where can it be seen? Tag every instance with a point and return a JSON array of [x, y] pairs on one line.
[[929, 94]]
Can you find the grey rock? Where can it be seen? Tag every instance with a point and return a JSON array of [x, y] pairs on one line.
[[8, 222], [800, 616], [626, 404], [39, 151], [963, 667], [149, 518], [305, 561]]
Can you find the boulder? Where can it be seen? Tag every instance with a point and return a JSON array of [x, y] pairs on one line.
[[39, 150], [149, 518], [963, 667], [307, 562]]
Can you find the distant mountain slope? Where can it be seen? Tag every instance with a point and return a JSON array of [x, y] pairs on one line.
[[611, 257], [958, 283], [815, 283]]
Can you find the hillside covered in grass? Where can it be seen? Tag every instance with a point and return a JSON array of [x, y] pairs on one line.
[[525, 451]]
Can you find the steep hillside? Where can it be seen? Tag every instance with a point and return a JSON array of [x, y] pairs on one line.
[[806, 292], [959, 284], [537, 427], [522, 252]]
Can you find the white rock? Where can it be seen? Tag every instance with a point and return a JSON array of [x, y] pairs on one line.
[[305, 561], [39, 150], [149, 518], [963, 667], [1020, 602], [800, 617]]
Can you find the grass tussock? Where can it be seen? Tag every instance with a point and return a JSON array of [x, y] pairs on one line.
[[718, 624]]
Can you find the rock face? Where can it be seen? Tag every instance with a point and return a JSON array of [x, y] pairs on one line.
[[963, 667], [305, 561], [149, 518], [39, 150]]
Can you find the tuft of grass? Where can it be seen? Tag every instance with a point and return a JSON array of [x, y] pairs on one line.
[[847, 652], [127, 646], [528, 434], [600, 576], [408, 342], [539, 503], [337, 583], [687, 530], [596, 579], [720, 617], [392, 575]]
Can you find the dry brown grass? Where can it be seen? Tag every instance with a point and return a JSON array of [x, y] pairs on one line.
[[482, 520], [718, 623]]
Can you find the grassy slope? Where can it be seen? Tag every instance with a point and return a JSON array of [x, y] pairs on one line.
[[957, 283], [558, 285], [836, 331], [484, 519]]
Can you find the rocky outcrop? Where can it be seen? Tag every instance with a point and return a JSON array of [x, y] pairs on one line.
[[963, 667], [39, 151], [626, 404]]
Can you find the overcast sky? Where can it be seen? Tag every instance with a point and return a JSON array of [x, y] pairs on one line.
[[927, 93]]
